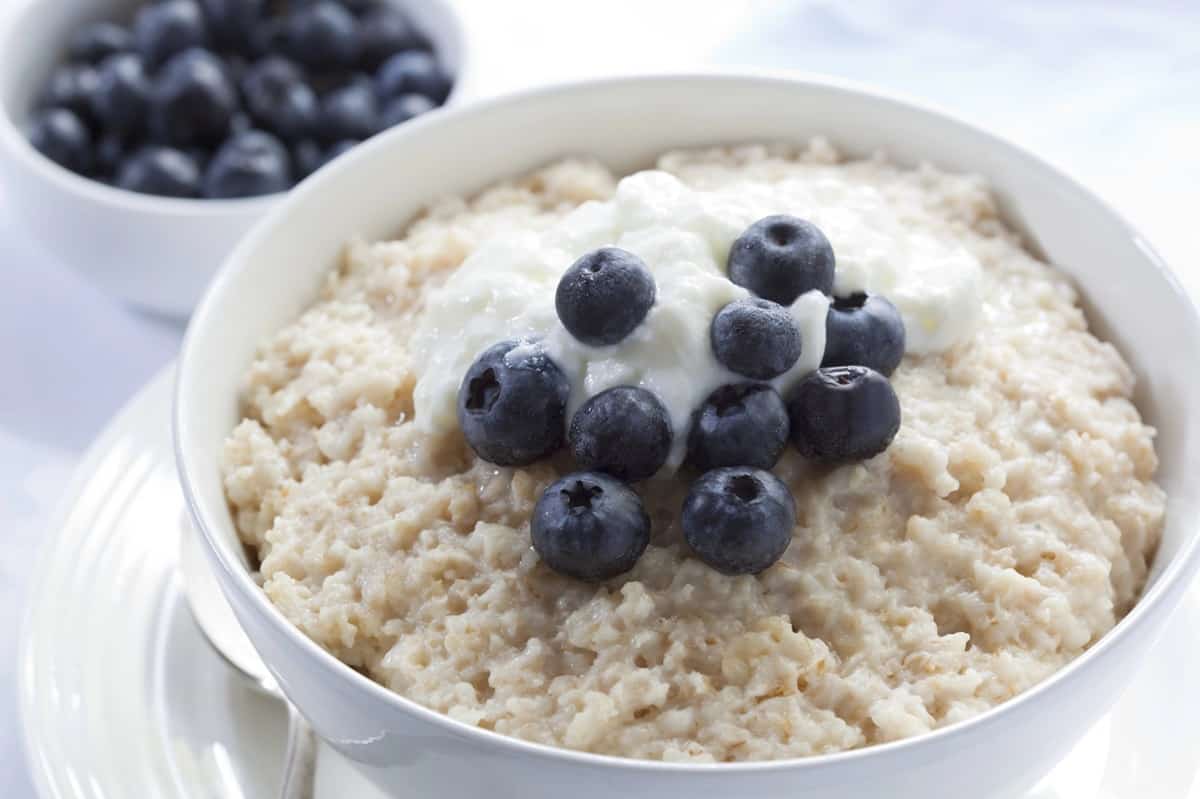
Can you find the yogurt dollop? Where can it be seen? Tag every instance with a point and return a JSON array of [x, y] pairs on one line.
[[505, 289]]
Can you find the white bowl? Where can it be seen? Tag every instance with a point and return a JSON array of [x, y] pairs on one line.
[[156, 253], [274, 273]]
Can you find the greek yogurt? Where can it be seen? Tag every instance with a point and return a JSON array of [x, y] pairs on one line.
[[505, 289]]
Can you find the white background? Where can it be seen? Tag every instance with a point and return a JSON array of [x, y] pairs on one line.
[[1109, 91]]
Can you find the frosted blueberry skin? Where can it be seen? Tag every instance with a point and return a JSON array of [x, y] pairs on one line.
[[624, 431], [72, 87], [231, 23], [843, 413], [93, 43], [162, 30], [512, 409], [604, 296], [864, 330], [738, 520], [247, 165], [192, 101], [122, 94], [163, 171], [61, 136], [323, 35], [278, 98], [740, 424], [590, 526], [351, 112], [755, 338], [385, 31], [781, 257], [413, 72]]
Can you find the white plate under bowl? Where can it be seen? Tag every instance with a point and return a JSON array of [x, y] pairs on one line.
[[121, 697]]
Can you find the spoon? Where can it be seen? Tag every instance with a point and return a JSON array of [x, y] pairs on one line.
[[223, 632]]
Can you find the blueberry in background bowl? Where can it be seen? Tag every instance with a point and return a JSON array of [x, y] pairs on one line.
[[153, 251], [248, 164], [187, 74], [60, 135], [160, 170]]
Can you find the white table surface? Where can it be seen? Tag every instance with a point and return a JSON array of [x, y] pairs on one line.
[[1106, 90]]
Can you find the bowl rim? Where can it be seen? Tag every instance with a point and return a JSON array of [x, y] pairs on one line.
[[1167, 588], [13, 139]]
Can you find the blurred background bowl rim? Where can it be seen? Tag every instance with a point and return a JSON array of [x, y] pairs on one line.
[[1171, 579], [13, 137]]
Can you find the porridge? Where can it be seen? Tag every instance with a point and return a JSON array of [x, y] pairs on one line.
[[1006, 528]]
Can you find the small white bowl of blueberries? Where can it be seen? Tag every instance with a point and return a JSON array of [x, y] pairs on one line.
[[142, 138]]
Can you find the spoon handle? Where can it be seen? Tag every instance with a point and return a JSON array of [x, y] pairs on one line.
[[300, 759]]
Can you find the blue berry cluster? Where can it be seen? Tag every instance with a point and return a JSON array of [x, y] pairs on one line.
[[232, 98], [738, 516]]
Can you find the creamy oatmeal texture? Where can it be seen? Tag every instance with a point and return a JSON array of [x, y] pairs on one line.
[[1007, 528]]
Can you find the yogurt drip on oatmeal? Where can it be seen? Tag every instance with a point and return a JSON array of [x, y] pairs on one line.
[[505, 289]]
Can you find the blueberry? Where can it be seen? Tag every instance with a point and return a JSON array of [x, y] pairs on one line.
[[236, 68], [741, 424], [781, 257], [385, 31], [413, 72], [202, 157], [350, 112], [231, 23], [604, 296], [738, 520], [161, 30], [307, 157], [248, 165], [843, 413], [864, 330], [279, 99], [111, 150], [268, 36], [403, 108], [274, 71], [512, 404], [323, 35], [755, 338], [73, 87], [590, 526], [624, 431], [160, 170], [93, 43], [240, 122], [330, 80], [192, 100], [122, 94], [61, 136]]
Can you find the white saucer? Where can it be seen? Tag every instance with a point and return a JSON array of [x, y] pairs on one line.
[[121, 697]]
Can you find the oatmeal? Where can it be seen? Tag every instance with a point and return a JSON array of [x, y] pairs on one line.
[[1008, 526]]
